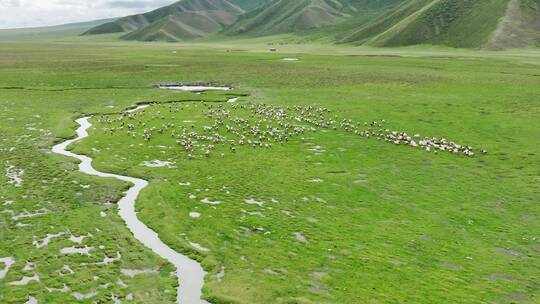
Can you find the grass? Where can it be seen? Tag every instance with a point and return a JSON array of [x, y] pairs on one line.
[[71, 203], [420, 227]]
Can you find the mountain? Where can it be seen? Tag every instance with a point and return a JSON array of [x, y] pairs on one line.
[[288, 16], [456, 23], [182, 20], [496, 24], [50, 32]]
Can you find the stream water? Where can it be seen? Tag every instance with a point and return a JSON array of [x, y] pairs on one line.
[[190, 273]]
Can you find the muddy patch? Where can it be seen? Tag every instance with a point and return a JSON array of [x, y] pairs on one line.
[[508, 252], [14, 175], [158, 164]]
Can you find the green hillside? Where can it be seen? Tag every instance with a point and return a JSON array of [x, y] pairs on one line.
[[496, 24], [456, 23], [285, 16], [463, 23], [385, 21], [181, 20], [183, 25]]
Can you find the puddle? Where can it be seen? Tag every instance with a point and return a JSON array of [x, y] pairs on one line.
[[199, 247], [158, 164], [208, 201], [138, 108], [77, 239], [44, 242], [84, 296], [74, 250], [8, 262], [300, 237], [27, 214], [64, 289], [107, 260], [221, 274], [360, 181], [31, 300], [194, 215], [65, 271], [29, 266], [25, 280], [194, 88], [135, 272], [254, 213], [253, 202]]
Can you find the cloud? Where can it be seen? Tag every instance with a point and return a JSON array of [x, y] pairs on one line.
[[135, 4], [10, 3], [32, 13]]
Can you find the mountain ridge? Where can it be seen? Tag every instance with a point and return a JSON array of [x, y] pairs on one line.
[[184, 19], [494, 24]]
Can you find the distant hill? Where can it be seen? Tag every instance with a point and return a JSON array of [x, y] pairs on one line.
[[48, 32], [182, 20], [289, 16], [497, 24]]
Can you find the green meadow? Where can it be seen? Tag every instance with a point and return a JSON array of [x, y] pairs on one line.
[[325, 217]]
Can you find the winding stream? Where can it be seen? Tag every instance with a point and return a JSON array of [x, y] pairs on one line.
[[190, 273]]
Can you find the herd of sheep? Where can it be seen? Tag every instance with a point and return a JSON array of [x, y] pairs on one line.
[[261, 126]]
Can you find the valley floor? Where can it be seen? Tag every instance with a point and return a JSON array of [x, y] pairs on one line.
[[327, 216]]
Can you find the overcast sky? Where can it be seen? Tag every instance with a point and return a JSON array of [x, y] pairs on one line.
[[30, 13]]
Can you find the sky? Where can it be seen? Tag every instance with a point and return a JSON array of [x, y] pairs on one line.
[[33, 13]]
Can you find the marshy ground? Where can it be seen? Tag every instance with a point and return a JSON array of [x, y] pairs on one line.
[[327, 216]]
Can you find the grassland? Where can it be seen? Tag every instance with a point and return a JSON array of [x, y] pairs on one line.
[[386, 224]]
